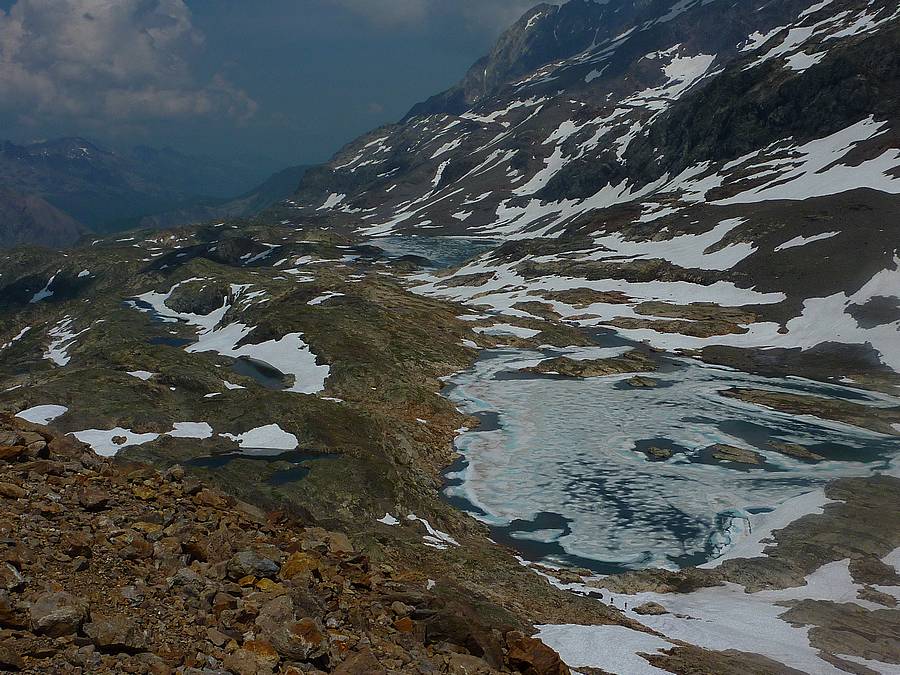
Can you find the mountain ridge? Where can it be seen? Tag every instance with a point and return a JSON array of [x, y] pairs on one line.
[[680, 122]]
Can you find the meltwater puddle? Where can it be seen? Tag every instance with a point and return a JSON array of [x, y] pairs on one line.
[[558, 473]]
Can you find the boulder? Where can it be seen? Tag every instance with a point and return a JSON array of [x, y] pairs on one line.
[[11, 491], [11, 452], [297, 564], [57, 614], [533, 657], [651, 609], [363, 663], [11, 579], [301, 641], [275, 614], [466, 664], [251, 563], [116, 634], [10, 659], [92, 499]]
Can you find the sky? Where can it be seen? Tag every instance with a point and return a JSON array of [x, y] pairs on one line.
[[283, 82]]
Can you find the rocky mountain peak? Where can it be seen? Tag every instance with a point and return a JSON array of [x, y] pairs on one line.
[[544, 34]]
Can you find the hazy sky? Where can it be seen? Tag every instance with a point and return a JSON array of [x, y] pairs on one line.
[[291, 80]]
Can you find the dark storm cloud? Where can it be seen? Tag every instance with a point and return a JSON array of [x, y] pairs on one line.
[[291, 80], [489, 15]]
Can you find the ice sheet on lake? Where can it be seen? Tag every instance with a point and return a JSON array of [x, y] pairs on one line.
[[567, 447]]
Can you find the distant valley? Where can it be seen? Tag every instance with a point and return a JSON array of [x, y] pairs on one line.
[[54, 191]]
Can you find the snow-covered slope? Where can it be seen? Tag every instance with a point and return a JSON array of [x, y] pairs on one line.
[[728, 148]]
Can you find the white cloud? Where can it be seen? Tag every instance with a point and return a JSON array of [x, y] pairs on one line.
[[107, 59]]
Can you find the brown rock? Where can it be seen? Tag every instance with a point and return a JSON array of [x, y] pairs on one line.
[[209, 498], [217, 637], [299, 563], [197, 549], [222, 602], [132, 546], [275, 614], [116, 634], [301, 641], [338, 542], [144, 492], [466, 664], [10, 659], [37, 449], [8, 616], [11, 491], [92, 499], [460, 625], [76, 544], [651, 609], [57, 614], [244, 662], [11, 452], [405, 625], [29, 437], [264, 652], [533, 657], [363, 663], [11, 579], [147, 528]]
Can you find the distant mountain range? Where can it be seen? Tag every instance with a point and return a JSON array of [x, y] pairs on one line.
[[29, 219], [55, 190]]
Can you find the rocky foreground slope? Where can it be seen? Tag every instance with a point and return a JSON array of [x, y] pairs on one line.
[[112, 567], [298, 364]]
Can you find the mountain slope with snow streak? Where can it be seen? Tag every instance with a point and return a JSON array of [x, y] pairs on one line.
[[663, 142]]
